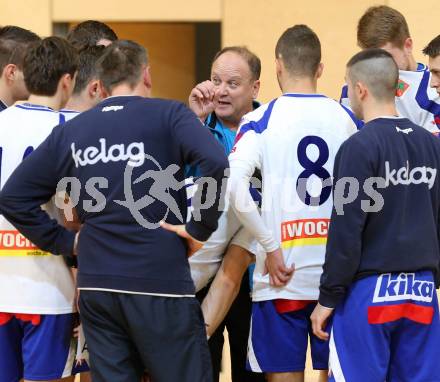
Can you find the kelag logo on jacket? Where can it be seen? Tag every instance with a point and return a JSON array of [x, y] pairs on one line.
[[407, 175], [134, 153]]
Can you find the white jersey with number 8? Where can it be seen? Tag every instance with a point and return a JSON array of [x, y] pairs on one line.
[[293, 141]]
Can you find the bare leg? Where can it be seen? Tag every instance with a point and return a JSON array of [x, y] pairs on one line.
[[225, 287], [85, 377], [286, 377], [323, 376]]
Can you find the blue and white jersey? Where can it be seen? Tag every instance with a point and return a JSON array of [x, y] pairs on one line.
[[293, 141], [415, 99], [31, 280], [68, 114]]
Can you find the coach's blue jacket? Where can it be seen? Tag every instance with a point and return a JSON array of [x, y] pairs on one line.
[[128, 156]]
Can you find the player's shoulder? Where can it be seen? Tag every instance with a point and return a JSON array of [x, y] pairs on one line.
[[9, 119], [423, 133], [164, 109], [337, 106], [13, 111], [257, 114], [385, 129], [136, 103], [413, 79], [320, 103], [420, 71], [340, 113], [418, 135], [8, 113], [160, 103], [31, 112], [256, 121]]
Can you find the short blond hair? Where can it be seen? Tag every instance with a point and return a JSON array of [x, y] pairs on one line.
[[381, 25]]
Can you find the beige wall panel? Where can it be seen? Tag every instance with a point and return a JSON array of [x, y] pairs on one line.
[[137, 10], [30, 14], [423, 20], [171, 48], [259, 23]]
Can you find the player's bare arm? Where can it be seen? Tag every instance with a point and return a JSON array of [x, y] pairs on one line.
[[225, 287]]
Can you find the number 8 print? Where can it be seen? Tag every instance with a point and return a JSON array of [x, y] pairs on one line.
[[313, 168]]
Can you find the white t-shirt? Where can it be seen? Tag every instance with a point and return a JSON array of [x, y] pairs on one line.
[[415, 99], [205, 263], [293, 142], [31, 281]]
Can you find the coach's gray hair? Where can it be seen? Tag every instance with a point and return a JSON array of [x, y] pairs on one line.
[[376, 69]]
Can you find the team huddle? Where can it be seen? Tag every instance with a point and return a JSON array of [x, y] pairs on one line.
[[133, 230]]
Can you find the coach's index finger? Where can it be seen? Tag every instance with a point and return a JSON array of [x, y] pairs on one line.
[[196, 93], [204, 89]]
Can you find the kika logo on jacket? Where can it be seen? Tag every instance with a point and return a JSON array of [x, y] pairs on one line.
[[134, 153], [404, 286], [406, 176]]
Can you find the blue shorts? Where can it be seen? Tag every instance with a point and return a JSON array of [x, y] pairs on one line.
[[387, 328], [278, 341], [36, 347]]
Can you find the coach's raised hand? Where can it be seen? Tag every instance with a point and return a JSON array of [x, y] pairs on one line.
[[203, 99], [193, 244]]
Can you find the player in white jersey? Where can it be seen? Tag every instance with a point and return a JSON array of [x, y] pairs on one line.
[[433, 51], [386, 28], [293, 141], [223, 261], [38, 292], [207, 261], [14, 42]]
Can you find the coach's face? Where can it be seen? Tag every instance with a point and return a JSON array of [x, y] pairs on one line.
[[434, 67], [236, 87]]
